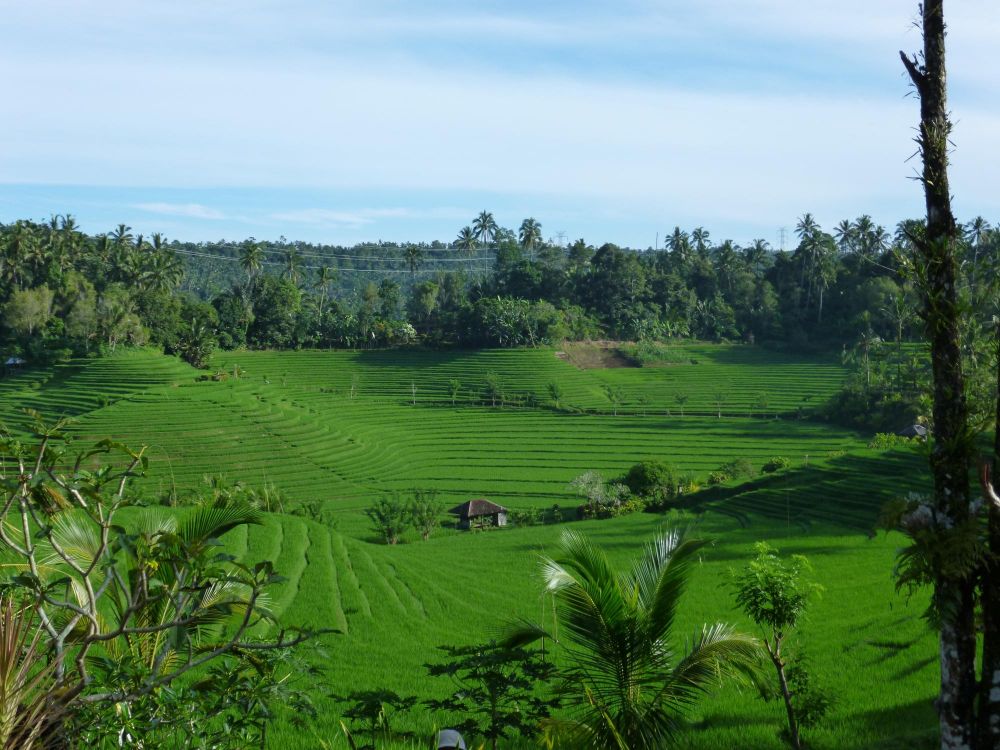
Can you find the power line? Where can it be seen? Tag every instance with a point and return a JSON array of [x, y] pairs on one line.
[[368, 257], [316, 268]]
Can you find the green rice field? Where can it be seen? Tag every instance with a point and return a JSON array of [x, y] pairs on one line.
[[344, 428]]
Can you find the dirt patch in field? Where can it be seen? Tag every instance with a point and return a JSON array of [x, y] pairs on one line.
[[595, 355]]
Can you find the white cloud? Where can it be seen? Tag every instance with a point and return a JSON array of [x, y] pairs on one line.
[[246, 94], [356, 218], [186, 210]]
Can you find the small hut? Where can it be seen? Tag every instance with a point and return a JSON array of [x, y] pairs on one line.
[[13, 364], [914, 431], [479, 512]]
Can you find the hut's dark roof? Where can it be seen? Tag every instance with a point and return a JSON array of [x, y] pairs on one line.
[[913, 430], [478, 507]]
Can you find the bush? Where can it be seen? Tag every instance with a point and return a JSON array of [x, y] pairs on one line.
[[775, 464], [390, 517], [525, 517], [738, 468], [652, 479], [718, 477], [631, 505], [883, 441]]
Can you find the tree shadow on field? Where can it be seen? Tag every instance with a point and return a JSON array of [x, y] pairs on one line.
[[910, 726], [430, 359], [847, 491]]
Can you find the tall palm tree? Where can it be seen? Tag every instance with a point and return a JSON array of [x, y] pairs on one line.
[[122, 235], [293, 265], [679, 244], [413, 256], [700, 238], [806, 226], [162, 272], [324, 277], [845, 235], [466, 240], [975, 231], [755, 254], [864, 229], [485, 227], [628, 681], [728, 264], [252, 260], [530, 234]]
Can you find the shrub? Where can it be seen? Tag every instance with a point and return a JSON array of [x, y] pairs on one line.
[[390, 518], [655, 479], [524, 517], [775, 464], [424, 512], [718, 477], [738, 468], [631, 505], [883, 441]]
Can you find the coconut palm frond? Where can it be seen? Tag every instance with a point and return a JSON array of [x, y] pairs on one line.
[[77, 537], [205, 522], [624, 684], [672, 569], [152, 524], [716, 653]]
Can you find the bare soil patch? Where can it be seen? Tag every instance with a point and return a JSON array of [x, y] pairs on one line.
[[595, 355]]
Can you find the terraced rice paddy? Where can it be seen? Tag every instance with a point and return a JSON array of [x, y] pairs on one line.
[[346, 427]]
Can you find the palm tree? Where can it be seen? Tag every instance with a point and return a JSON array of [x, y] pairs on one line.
[[122, 235], [413, 256], [162, 272], [806, 226], [324, 277], [700, 237], [293, 265], [864, 230], [466, 240], [755, 254], [530, 234], [627, 680], [679, 244], [252, 260], [975, 231], [485, 227], [845, 234], [727, 264]]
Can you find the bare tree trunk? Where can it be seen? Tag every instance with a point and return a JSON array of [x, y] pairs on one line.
[[951, 458], [786, 694]]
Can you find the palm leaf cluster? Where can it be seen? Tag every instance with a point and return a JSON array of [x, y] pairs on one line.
[[629, 684]]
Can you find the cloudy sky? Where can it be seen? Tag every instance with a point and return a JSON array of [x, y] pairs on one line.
[[340, 121]]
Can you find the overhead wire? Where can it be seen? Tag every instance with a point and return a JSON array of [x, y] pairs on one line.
[[214, 256]]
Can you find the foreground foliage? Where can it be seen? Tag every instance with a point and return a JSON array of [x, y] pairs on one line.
[[125, 608], [627, 684]]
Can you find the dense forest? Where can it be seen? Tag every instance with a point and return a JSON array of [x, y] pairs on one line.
[[65, 293]]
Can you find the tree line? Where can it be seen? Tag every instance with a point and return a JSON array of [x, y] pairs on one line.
[[64, 292]]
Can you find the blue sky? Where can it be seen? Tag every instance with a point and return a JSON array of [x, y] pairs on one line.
[[352, 121]]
